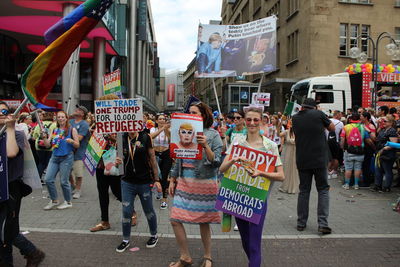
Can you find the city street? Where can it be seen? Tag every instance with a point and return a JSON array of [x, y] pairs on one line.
[[366, 232]]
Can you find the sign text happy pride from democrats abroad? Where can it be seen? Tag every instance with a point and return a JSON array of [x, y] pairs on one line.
[[241, 195], [119, 115]]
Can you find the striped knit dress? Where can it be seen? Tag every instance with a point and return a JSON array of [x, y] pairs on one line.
[[194, 199]]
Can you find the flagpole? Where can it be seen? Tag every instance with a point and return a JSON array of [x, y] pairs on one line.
[[21, 106], [72, 70], [216, 96], [259, 85]]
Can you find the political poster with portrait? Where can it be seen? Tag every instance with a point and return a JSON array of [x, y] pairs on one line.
[[261, 99], [184, 128], [240, 194], [119, 115], [236, 50]]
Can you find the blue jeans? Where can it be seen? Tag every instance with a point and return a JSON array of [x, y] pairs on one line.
[[129, 192], [321, 182], [385, 168], [64, 166]]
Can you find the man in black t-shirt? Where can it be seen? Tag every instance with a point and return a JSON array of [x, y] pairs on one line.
[[312, 160]]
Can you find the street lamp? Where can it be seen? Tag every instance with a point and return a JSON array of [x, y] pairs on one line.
[[392, 49]]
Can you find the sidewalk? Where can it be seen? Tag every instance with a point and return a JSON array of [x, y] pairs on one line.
[[366, 232], [87, 250], [352, 212]]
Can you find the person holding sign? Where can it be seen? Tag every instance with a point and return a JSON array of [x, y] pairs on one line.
[[194, 186], [251, 233], [63, 140], [139, 163]]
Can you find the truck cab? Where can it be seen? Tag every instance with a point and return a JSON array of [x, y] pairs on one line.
[[331, 92]]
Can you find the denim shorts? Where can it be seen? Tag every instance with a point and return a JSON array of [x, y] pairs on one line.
[[353, 161]]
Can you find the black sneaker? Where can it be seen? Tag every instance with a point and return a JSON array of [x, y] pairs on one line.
[[376, 189], [152, 242], [386, 189], [324, 230], [123, 246]]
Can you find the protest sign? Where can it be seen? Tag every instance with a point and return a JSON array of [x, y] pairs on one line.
[[184, 128], [112, 83], [236, 50], [241, 195], [3, 169], [261, 98], [119, 115], [94, 151]]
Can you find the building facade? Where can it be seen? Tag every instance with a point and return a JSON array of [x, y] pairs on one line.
[[174, 91], [124, 39], [313, 38]]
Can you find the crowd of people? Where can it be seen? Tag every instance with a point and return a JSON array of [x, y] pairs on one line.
[[309, 145]]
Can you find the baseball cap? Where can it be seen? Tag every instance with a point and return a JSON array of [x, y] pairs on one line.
[[83, 108], [309, 103]]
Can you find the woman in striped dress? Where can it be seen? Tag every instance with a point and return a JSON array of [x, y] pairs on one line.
[[194, 186]]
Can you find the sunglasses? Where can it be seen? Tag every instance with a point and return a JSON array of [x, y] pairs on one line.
[[256, 120], [5, 112], [186, 132], [237, 117]]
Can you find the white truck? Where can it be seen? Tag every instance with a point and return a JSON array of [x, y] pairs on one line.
[[333, 92]]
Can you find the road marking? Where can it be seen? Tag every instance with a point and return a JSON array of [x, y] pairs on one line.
[[227, 236]]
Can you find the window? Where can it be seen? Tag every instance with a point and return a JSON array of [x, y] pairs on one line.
[[293, 6], [245, 13], [353, 35], [357, 1], [274, 10], [292, 46], [397, 34], [324, 97], [343, 40], [322, 86]]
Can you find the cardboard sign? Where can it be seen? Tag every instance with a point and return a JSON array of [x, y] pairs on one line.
[[119, 115], [112, 83], [3, 169], [241, 195], [261, 98], [94, 151], [184, 128]]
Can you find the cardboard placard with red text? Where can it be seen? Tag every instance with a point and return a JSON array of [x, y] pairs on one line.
[[119, 115]]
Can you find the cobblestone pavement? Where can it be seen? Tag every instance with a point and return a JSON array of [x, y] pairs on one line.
[[366, 232], [65, 249]]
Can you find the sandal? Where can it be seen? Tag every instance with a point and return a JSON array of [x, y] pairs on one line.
[[205, 259], [100, 227], [134, 220], [182, 263]]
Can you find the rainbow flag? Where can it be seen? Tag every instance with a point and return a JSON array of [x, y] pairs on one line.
[[62, 40]]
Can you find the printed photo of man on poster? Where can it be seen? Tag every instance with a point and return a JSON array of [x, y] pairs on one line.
[[184, 128]]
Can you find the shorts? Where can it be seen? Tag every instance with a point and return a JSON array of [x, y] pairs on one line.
[[77, 168], [353, 161]]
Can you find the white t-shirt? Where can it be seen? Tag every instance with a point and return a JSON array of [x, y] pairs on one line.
[[161, 139], [338, 128]]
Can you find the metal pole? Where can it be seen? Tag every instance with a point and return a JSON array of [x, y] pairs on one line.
[[73, 74], [259, 85], [216, 96], [21, 106]]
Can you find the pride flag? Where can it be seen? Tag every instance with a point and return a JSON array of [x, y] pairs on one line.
[[63, 38]]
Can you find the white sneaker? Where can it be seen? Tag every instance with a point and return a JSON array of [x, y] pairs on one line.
[[65, 205], [334, 175], [51, 205], [356, 187], [163, 205], [346, 186], [77, 194], [235, 228]]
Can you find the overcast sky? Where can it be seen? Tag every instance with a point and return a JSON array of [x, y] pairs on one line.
[[176, 24]]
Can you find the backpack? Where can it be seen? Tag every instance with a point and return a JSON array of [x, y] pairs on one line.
[[354, 142]]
